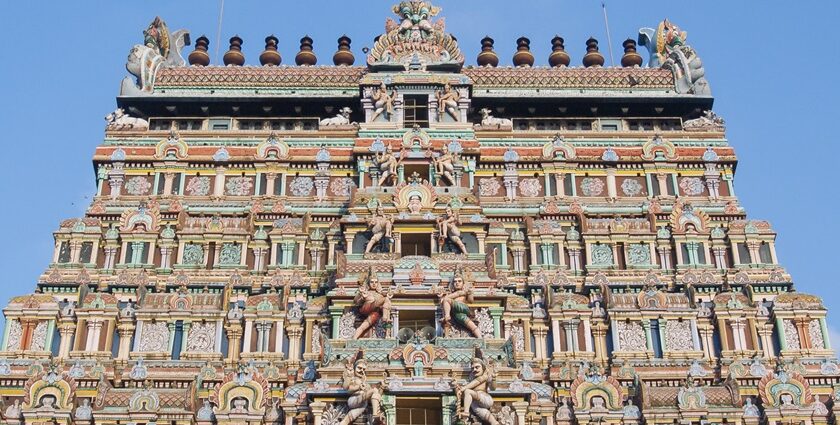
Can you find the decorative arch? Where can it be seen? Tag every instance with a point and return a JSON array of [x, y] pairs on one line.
[[246, 384], [584, 388], [659, 148], [405, 192], [556, 146], [272, 148], [140, 220], [775, 387], [58, 385], [144, 401], [172, 147]]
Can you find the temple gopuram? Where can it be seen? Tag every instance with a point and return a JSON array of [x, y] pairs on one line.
[[416, 241]]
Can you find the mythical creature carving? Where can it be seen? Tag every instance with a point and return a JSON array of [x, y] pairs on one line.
[[668, 50], [709, 121], [373, 302], [160, 48], [342, 118], [489, 121], [362, 394], [474, 397], [119, 120], [454, 304], [448, 229], [416, 41]]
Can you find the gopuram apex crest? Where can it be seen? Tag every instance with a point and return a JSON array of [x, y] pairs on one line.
[[416, 42], [416, 241]]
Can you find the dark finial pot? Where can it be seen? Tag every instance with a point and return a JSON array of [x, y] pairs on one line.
[[344, 56], [558, 56], [305, 56], [234, 56], [199, 56], [631, 57], [270, 56], [593, 57], [488, 56], [523, 55]]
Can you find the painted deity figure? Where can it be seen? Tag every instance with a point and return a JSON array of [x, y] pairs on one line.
[[373, 302], [447, 100], [445, 167], [383, 102], [156, 37], [474, 397], [380, 225], [448, 228], [387, 164], [454, 304], [362, 394]]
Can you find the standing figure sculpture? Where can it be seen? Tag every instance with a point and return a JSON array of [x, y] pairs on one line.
[[447, 101], [387, 164], [475, 397], [454, 304], [383, 102], [448, 229], [380, 225], [373, 302], [362, 394], [445, 167]]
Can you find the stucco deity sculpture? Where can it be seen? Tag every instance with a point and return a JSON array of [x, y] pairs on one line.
[[447, 100], [156, 37], [383, 102], [362, 394], [448, 228], [668, 49], [380, 225], [474, 397], [373, 302], [445, 167], [454, 304], [387, 164]]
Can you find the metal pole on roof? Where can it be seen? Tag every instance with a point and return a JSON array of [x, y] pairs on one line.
[[609, 39], [219, 30]]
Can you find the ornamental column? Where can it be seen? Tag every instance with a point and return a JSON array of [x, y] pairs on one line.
[[66, 330], [233, 327], [219, 185], [126, 331]]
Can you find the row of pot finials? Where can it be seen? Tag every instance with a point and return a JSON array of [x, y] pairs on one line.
[[487, 57]]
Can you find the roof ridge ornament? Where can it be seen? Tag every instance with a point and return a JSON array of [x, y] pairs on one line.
[[416, 42]]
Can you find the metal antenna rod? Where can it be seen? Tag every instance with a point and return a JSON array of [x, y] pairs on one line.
[[219, 30], [609, 39]]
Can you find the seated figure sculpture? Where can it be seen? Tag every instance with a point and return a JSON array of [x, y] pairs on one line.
[[454, 304], [373, 303], [445, 167], [380, 226], [448, 229]]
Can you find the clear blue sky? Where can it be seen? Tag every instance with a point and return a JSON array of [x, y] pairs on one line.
[[772, 66]]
